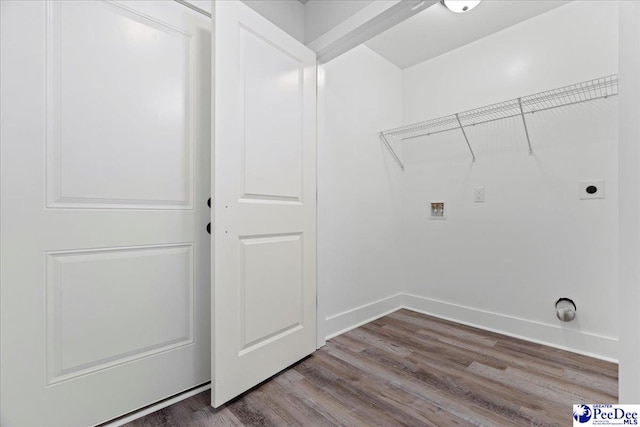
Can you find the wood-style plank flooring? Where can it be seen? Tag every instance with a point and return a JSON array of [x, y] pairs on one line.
[[408, 369]]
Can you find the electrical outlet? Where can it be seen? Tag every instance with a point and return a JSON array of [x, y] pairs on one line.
[[478, 195], [591, 189]]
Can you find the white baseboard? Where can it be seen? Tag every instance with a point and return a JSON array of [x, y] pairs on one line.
[[342, 322], [588, 344]]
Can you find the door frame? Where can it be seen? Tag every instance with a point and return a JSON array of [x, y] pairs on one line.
[[629, 202]]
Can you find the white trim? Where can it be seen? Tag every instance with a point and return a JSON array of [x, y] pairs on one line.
[[629, 202], [160, 405], [193, 7], [343, 29], [372, 20], [340, 323], [320, 141], [585, 343], [580, 342]]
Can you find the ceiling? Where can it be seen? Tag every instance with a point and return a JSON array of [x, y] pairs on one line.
[[437, 30]]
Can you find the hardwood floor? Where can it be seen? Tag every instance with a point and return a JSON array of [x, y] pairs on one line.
[[408, 369]]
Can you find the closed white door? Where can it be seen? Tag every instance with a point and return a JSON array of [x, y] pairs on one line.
[[105, 178], [264, 298]]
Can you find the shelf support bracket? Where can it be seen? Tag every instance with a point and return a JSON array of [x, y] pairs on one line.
[[473, 156], [524, 122], [391, 150]]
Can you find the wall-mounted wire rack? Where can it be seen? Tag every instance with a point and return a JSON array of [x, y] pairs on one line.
[[602, 87]]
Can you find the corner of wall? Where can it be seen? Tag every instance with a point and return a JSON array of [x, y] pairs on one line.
[[340, 323], [391, 234]]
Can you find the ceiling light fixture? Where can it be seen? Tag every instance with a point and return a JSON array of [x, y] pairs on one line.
[[460, 6]]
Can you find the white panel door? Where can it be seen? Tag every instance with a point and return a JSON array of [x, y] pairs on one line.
[[265, 200], [105, 177]]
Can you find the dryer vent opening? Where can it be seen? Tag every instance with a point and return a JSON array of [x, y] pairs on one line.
[[566, 309]]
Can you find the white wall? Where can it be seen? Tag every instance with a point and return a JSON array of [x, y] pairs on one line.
[[629, 178], [359, 252], [572, 43], [503, 263]]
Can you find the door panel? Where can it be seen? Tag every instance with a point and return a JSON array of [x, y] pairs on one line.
[[264, 205], [99, 58], [151, 288], [271, 79], [270, 281], [105, 177]]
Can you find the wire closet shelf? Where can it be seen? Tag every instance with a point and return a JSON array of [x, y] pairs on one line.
[[590, 90]]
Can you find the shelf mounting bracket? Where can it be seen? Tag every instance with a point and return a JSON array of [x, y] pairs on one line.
[[383, 138], [473, 156], [524, 122]]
